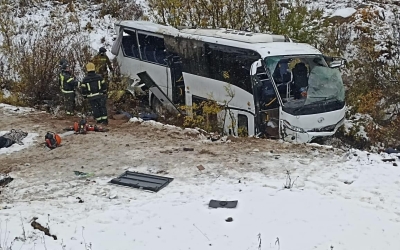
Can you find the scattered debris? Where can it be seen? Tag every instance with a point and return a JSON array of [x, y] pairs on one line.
[[4, 181], [82, 174], [52, 140], [229, 219], [45, 230], [392, 151], [388, 160], [142, 181], [188, 149], [222, 204], [162, 172], [148, 116], [200, 167], [79, 200], [82, 127]]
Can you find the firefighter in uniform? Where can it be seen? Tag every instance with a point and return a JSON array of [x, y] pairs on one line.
[[94, 88], [102, 62], [67, 85]]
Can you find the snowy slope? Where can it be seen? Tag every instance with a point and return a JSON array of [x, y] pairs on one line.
[[348, 201]]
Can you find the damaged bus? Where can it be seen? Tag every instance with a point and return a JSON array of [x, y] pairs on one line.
[[281, 88]]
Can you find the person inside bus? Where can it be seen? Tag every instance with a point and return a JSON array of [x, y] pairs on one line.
[[300, 80]]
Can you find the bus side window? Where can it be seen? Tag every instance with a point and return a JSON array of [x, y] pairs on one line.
[[129, 44], [152, 49]]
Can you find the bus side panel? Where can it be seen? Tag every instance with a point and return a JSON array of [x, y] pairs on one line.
[[213, 89], [160, 74]]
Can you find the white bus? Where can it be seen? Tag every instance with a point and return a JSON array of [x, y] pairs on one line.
[[282, 89]]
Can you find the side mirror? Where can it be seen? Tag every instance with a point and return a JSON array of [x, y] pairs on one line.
[[257, 64]]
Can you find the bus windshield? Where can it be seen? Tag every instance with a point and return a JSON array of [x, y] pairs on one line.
[[306, 84]]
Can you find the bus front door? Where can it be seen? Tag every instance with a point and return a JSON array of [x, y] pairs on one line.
[[266, 101]]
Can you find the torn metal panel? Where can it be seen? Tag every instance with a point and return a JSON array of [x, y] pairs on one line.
[[142, 181], [155, 89]]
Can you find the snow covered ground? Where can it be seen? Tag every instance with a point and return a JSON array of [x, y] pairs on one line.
[[344, 199]]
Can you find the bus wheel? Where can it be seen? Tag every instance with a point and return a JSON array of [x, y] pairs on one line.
[[157, 106]]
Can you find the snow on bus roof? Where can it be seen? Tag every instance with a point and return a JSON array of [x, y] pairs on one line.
[[236, 35], [265, 44], [281, 49], [150, 27]]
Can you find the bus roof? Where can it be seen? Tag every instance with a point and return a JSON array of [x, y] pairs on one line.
[[265, 44]]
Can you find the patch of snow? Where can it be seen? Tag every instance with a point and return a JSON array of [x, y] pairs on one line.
[[6, 93], [14, 109], [28, 141], [135, 119], [346, 12]]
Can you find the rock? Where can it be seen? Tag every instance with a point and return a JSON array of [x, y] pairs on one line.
[[229, 219], [395, 164], [188, 149], [348, 182], [200, 167], [256, 150]]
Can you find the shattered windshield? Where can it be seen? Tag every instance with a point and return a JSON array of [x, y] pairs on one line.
[[306, 81]]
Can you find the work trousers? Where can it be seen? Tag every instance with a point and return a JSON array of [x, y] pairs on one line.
[[99, 108], [69, 103]]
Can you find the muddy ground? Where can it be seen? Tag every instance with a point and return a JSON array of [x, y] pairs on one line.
[[128, 145]]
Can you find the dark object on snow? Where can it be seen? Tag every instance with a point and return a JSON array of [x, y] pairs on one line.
[[395, 164], [388, 160], [142, 181], [45, 230], [14, 136], [79, 200], [229, 219], [188, 149], [5, 181], [223, 204], [52, 140], [5, 142], [148, 116], [348, 182], [392, 151]]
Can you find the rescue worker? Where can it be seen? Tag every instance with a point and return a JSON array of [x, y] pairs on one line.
[[101, 62], [67, 85], [94, 88]]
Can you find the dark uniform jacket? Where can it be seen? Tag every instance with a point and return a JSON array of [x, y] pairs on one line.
[[101, 63], [67, 82], [93, 86]]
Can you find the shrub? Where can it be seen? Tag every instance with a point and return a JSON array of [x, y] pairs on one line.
[[293, 19], [121, 9]]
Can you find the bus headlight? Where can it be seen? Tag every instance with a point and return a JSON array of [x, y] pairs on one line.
[[293, 128]]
